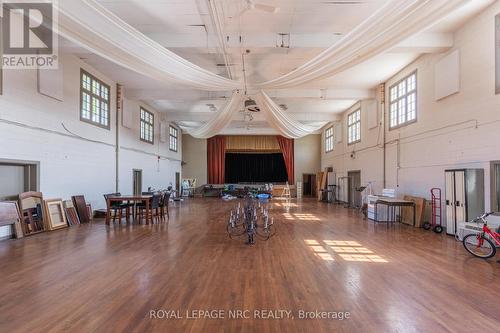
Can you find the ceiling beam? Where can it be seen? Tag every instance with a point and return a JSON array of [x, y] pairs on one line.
[[306, 117], [425, 43], [197, 95], [324, 94]]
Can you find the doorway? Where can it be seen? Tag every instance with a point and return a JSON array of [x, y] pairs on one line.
[[354, 184], [16, 177], [178, 182], [137, 181], [309, 185]]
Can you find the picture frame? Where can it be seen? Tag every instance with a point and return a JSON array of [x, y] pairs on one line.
[[55, 216], [71, 214]]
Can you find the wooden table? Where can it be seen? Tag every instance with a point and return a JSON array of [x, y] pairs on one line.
[[134, 198], [392, 204]]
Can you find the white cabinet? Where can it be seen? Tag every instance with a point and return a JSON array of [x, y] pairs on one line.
[[464, 196]]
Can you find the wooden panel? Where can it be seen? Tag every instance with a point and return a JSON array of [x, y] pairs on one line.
[[81, 208], [71, 214], [9, 215], [252, 143], [419, 211]]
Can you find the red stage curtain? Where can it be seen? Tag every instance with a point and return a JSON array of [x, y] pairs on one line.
[[287, 148], [216, 159]]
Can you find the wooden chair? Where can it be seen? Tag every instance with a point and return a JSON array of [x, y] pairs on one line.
[[32, 217], [118, 206], [165, 199], [154, 208]]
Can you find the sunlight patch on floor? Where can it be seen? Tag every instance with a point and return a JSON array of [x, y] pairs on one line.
[[301, 217], [319, 251], [286, 205], [362, 257], [346, 250]]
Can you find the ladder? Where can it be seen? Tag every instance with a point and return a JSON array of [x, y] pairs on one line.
[[286, 191]]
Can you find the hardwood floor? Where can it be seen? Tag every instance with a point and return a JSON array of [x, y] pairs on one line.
[[94, 278]]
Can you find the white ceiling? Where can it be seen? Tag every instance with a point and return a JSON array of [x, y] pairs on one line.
[[186, 28]]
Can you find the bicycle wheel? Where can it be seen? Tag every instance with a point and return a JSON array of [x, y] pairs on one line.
[[479, 246]]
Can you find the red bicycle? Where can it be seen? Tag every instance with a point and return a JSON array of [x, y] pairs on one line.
[[480, 245]]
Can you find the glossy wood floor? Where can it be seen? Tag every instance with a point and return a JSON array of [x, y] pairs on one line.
[[93, 278]]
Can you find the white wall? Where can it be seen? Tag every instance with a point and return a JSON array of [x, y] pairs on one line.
[[81, 161], [365, 156], [194, 154], [307, 154], [459, 131]]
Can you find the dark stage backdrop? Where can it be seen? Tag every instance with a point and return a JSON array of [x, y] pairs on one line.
[[255, 168]]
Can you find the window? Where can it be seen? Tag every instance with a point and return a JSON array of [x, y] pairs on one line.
[[94, 100], [403, 101], [354, 127], [173, 138], [147, 126], [329, 140]]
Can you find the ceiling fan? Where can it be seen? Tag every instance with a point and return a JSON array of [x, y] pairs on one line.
[[251, 5]]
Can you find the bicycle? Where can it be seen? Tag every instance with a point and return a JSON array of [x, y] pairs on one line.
[[478, 244]]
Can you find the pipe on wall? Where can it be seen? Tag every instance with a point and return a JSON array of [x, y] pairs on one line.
[[119, 109]]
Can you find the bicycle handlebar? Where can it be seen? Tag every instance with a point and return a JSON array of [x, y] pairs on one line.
[[485, 215]]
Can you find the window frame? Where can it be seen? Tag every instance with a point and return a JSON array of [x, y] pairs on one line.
[[99, 98], [354, 124], [329, 137], [152, 124], [405, 97], [176, 138]]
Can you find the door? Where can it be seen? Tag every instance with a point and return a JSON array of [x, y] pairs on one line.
[[306, 187], [178, 182], [450, 201], [314, 187], [137, 181], [460, 214], [354, 185]]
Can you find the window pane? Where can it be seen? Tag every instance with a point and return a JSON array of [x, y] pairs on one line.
[[412, 114], [411, 82], [393, 93], [402, 89], [95, 110], [85, 106], [402, 111]]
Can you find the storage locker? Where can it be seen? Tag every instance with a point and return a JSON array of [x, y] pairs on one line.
[[464, 195]]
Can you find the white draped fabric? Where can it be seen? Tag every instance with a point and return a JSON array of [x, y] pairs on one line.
[[393, 23], [117, 41], [220, 120], [111, 38], [282, 122]]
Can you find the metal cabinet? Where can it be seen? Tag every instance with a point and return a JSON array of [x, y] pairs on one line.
[[464, 196]]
